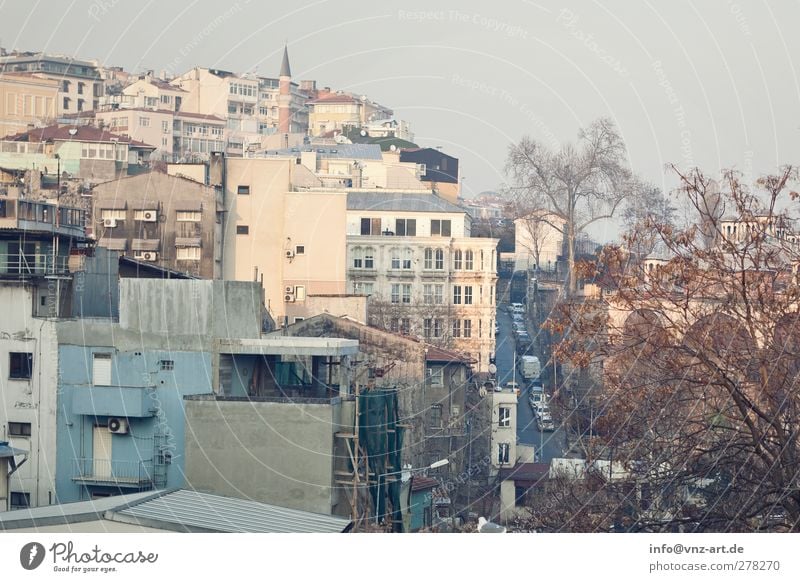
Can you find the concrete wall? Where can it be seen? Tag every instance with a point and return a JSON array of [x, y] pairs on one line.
[[25, 100], [279, 453], [31, 400]]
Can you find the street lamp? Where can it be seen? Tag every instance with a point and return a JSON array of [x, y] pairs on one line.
[[404, 472]]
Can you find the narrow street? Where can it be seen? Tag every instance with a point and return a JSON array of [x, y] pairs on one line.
[[551, 443]]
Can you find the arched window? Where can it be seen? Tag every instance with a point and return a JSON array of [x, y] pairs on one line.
[[457, 260], [358, 258], [439, 259], [395, 258], [408, 256], [428, 259], [468, 260]]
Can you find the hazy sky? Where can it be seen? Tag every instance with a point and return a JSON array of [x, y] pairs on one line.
[[706, 83]]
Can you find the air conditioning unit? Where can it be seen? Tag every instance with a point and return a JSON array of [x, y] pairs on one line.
[[149, 216], [289, 290], [146, 256], [289, 254], [110, 222], [117, 425], [288, 298]]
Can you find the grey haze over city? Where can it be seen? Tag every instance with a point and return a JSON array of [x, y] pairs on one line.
[[711, 84]]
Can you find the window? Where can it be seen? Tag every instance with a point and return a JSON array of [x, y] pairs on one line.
[[467, 328], [101, 369], [65, 104], [369, 258], [370, 226], [440, 228], [189, 216], [408, 256], [436, 376], [167, 365], [428, 259], [405, 325], [456, 294], [19, 429], [358, 258], [395, 293], [439, 259], [395, 258], [243, 190], [435, 416], [503, 450], [188, 254], [300, 250], [165, 127], [80, 88], [405, 227], [144, 122], [457, 260], [427, 327], [80, 104], [109, 214], [491, 295], [65, 86], [504, 416], [363, 288], [438, 294], [20, 365], [427, 294], [20, 500], [469, 260], [300, 292], [456, 328], [166, 98], [438, 325], [468, 295], [406, 293], [242, 229], [394, 325]]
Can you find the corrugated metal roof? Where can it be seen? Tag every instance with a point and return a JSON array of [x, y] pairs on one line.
[[357, 151], [194, 510], [400, 201]]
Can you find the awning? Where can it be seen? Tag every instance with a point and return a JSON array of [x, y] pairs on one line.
[[145, 205], [112, 204], [141, 244], [114, 244], [187, 241], [188, 205]]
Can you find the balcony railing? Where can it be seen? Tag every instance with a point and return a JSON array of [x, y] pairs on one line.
[[33, 265], [137, 474]]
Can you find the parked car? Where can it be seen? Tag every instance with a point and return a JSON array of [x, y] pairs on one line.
[[517, 317], [518, 308], [545, 423]]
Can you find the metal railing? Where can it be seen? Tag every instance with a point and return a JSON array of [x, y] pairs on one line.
[[131, 473], [33, 264]]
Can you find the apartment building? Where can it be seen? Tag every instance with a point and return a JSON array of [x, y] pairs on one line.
[[538, 242], [25, 101], [413, 254], [39, 243], [80, 81], [335, 111], [166, 220]]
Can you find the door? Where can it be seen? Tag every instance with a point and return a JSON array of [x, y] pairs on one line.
[[101, 452]]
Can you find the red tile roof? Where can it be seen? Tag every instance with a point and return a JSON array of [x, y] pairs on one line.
[[435, 354], [198, 116], [334, 98], [85, 133]]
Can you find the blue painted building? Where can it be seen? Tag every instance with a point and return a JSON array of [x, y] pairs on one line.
[[120, 418]]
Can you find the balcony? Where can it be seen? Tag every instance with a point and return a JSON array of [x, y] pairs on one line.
[[356, 273], [133, 474], [33, 265], [125, 401]]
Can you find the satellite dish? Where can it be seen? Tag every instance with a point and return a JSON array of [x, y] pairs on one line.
[[492, 369], [393, 148], [482, 392], [363, 133], [73, 131]]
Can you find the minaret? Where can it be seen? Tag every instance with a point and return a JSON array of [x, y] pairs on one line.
[[285, 94]]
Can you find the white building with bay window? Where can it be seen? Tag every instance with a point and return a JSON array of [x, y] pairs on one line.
[[412, 253]]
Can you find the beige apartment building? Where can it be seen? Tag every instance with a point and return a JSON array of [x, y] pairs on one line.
[[538, 241], [412, 253], [334, 111], [26, 100], [291, 237]]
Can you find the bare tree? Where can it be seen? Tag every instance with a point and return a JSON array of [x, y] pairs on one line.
[[701, 358], [581, 183]]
